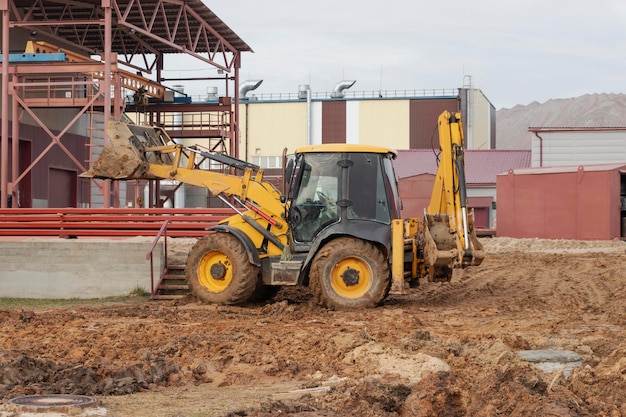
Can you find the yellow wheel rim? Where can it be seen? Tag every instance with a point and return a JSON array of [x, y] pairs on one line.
[[351, 278], [215, 272]]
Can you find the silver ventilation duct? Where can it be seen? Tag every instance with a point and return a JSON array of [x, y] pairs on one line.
[[248, 85], [211, 93], [342, 85], [303, 90]]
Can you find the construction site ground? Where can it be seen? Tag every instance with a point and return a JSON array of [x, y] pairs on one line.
[[439, 350]]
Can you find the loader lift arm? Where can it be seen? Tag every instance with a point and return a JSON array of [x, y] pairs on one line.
[[142, 152], [449, 229]]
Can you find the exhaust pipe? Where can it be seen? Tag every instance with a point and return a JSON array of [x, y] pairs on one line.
[[342, 85], [248, 86]]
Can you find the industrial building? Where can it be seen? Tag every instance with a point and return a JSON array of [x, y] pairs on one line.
[[398, 119], [63, 57]]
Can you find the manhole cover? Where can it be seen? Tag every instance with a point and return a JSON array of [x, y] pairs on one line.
[[61, 403], [553, 360]]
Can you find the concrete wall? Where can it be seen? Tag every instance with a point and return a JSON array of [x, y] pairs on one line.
[[76, 268]]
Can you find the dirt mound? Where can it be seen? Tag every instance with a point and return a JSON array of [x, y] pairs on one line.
[[439, 350], [589, 110]]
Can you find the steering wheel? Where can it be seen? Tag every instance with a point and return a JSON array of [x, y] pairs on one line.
[[327, 202], [295, 216]]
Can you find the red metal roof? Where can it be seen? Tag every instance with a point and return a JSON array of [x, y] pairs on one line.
[[481, 166], [575, 129], [188, 23], [620, 166]]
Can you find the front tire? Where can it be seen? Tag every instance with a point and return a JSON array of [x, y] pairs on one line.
[[349, 273], [218, 270]]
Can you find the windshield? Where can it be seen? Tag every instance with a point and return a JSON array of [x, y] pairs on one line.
[[314, 194]]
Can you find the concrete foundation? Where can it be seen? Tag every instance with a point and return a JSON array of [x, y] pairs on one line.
[[76, 268]]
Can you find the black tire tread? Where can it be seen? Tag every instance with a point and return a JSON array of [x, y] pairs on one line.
[[334, 251], [245, 274]]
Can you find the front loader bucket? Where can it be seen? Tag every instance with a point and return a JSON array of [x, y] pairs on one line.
[[123, 157], [444, 250]]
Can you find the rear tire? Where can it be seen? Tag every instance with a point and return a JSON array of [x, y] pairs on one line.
[[349, 273], [218, 270]]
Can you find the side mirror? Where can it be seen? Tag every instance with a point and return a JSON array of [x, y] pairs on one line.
[[287, 173], [288, 170]]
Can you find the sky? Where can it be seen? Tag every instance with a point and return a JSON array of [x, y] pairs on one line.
[[515, 51]]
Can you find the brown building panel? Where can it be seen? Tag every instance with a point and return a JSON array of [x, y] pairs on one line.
[[334, 121], [423, 115], [34, 140]]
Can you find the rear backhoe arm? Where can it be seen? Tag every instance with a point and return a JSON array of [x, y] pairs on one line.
[[450, 238]]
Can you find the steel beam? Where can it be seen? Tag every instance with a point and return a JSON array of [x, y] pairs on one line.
[[15, 148], [4, 130], [106, 86]]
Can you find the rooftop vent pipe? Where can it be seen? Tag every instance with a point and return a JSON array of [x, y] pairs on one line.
[[248, 86], [342, 85], [211, 93]]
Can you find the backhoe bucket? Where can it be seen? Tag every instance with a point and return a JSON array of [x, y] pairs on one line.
[[443, 250], [124, 156]]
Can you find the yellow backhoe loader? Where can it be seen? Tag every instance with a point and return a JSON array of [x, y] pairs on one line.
[[337, 228]]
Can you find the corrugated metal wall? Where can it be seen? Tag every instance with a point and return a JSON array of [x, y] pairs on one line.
[[559, 205], [561, 148]]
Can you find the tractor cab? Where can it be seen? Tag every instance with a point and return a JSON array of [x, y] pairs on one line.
[[335, 188]]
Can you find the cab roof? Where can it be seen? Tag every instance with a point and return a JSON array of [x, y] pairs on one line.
[[345, 147]]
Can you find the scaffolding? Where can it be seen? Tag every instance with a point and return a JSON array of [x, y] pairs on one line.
[[128, 39]]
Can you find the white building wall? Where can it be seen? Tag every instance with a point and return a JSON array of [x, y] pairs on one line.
[[352, 122], [562, 148], [316, 123], [481, 122]]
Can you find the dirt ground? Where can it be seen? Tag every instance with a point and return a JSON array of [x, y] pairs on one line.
[[440, 350]]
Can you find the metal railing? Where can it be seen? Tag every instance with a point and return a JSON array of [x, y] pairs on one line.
[[109, 222], [149, 255], [349, 95]]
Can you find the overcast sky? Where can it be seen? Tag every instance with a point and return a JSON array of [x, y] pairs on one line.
[[516, 51]]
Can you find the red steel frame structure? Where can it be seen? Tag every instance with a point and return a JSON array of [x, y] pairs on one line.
[[120, 32]]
